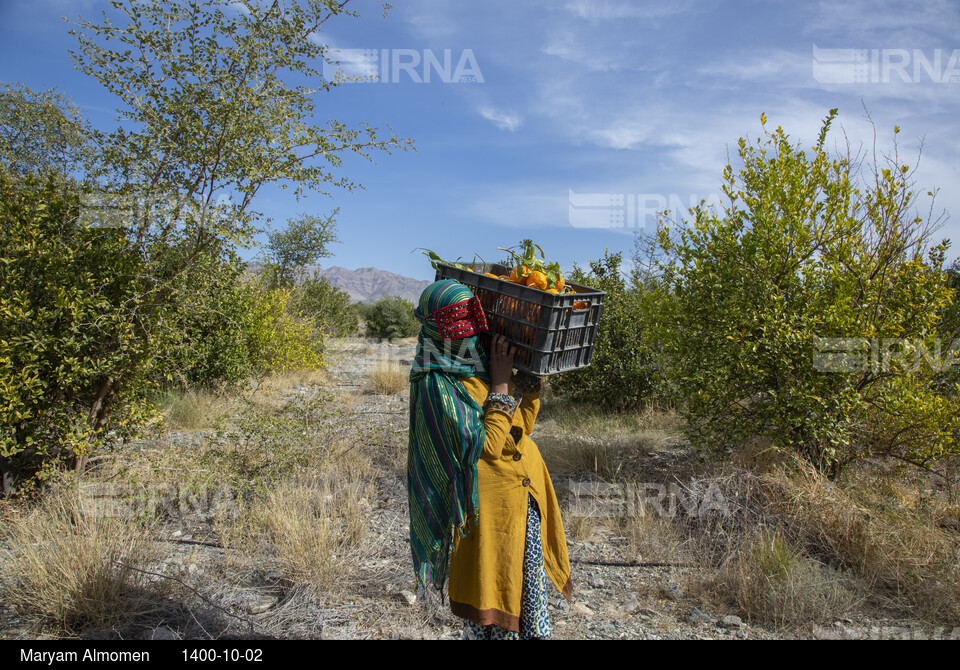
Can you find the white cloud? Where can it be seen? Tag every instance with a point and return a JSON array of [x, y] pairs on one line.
[[431, 18], [787, 68], [503, 120], [573, 47], [620, 9], [898, 25]]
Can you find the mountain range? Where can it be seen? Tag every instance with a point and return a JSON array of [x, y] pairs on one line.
[[371, 284]]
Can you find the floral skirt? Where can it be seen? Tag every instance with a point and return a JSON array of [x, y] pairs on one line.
[[534, 615]]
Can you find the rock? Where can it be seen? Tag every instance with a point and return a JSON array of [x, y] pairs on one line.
[[630, 607], [646, 613], [672, 591], [408, 597], [164, 633], [262, 605], [730, 622], [597, 583], [580, 608], [563, 605], [699, 616], [838, 631]]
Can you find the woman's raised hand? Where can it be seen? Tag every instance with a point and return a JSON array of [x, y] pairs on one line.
[[501, 364]]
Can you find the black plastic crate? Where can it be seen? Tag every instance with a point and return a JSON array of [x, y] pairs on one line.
[[551, 336]]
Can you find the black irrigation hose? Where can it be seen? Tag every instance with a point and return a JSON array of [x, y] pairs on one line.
[[215, 545], [633, 564]]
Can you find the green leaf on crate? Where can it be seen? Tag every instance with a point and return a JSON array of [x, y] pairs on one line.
[[435, 260]]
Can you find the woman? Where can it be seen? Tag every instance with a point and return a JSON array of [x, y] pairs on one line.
[[475, 476]]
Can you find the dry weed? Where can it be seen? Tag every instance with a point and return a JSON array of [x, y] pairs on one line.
[[835, 544], [75, 572], [388, 379], [312, 533], [192, 410], [771, 580]]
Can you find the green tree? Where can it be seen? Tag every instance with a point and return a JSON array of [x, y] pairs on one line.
[[620, 375], [214, 96], [391, 318], [68, 324], [803, 251], [327, 306], [230, 326], [304, 241], [215, 105], [42, 133]]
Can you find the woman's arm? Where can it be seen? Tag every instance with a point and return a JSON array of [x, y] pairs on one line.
[[499, 406]]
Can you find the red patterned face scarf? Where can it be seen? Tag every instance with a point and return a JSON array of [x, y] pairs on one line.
[[446, 432]]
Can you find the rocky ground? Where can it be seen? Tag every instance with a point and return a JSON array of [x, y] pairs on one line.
[[615, 595]]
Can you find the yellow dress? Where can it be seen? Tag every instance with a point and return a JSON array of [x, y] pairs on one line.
[[486, 569]]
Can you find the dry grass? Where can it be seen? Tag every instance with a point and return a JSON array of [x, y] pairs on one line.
[[312, 528], [292, 465], [797, 543], [651, 537], [575, 439], [288, 381], [771, 580], [192, 410], [71, 572], [650, 423], [582, 528], [388, 379], [869, 527], [189, 410]]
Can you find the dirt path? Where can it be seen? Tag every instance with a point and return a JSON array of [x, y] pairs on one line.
[[614, 597]]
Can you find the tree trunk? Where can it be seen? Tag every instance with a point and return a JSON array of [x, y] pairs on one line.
[[96, 416]]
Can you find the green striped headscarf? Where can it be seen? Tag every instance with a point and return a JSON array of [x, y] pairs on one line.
[[446, 437]]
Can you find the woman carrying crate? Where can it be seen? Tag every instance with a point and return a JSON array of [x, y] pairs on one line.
[[475, 479]]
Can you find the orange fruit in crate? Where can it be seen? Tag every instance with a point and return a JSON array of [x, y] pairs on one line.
[[552, 290], [490, 274], [580, 305], [519, 274], [560, 284], [537, 279]]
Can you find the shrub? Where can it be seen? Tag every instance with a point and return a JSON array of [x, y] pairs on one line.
[[768, 578], [327, 306], [84, 339], [73, 356], [276, 340], [621, 373], [392, 318], [803, 252]]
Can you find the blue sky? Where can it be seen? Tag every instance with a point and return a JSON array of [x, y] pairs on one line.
[[582, 116]]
